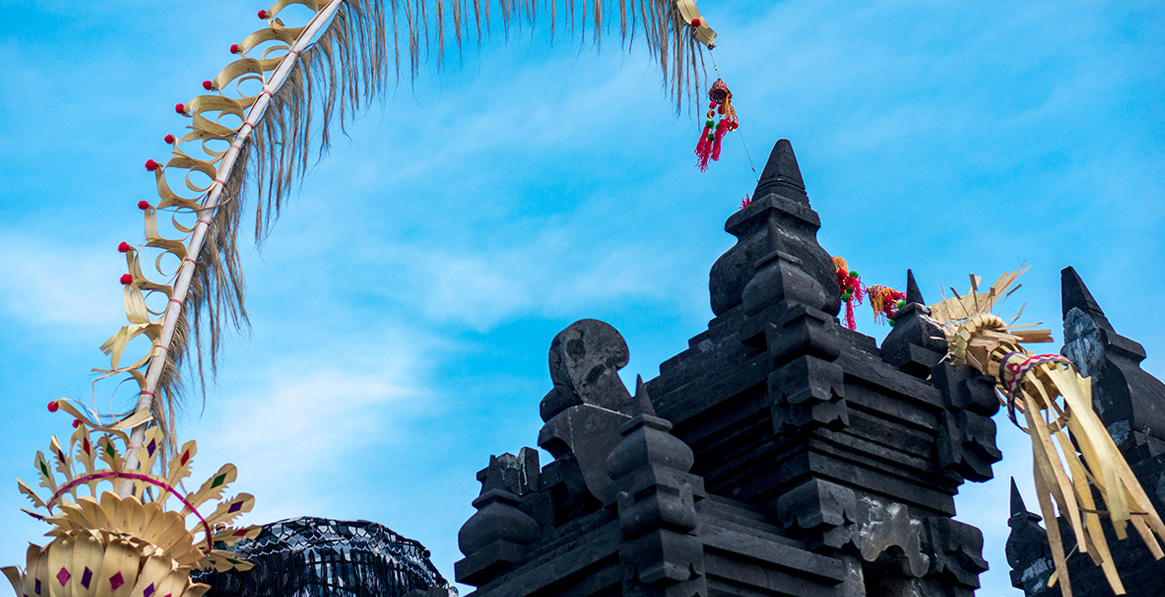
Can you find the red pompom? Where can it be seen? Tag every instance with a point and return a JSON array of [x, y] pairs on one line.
[[123, 247], [76, 423], [126, 279], [143, 205], [179, 108], [234, 48], [696, 22], [151, 165], [168, 138], [53, 406], [207, 85], [262, 14]]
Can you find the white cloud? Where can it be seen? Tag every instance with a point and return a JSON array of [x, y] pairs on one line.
[[49, 283], [302, 429]]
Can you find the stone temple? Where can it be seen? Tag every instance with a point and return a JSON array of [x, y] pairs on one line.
[[783, 454]]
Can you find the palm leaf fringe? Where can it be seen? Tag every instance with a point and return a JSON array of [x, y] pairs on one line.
[[329, 81]]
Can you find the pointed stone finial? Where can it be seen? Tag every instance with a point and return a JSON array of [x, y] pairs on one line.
[[642, 405], [1073, 293], [913, 294], [781, 174], [1017, 506]]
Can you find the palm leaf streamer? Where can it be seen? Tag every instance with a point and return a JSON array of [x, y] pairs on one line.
[[1078, 467], [284, 91]]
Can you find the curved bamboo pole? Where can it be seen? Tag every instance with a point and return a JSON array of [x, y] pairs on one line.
[[186, 273]]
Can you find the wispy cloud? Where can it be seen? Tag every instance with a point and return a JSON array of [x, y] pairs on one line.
[[299, 427], [46, 283]]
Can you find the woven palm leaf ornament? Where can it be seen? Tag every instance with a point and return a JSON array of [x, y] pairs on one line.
[[1078, 467], [120, 527], [146, 543]]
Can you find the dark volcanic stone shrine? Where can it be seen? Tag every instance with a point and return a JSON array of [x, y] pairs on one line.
[[782, 454]]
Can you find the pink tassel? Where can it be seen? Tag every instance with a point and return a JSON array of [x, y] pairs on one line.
[[704, 149], [850, 322], [721, 130]]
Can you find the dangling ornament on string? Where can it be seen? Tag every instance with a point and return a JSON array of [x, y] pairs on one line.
[[885, 301], [713, 134], [851, 289]]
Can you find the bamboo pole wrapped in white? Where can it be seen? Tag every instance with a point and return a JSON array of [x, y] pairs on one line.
[[157, 363]]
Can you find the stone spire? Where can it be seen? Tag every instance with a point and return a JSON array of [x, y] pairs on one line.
[[913, 294], [1130, 402], [1075, 295], [496, 536], [656, 496], [778, 223], [914, 344], [782, 175], [1026, 546]]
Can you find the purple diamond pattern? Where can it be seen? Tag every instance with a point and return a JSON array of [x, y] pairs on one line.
[[86, 577], [64, 576], [149, 591], [151, 447], [235, 507], [116, 581], [37, 587]]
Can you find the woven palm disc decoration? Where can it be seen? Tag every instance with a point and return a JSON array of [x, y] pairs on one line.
[[145, 544]]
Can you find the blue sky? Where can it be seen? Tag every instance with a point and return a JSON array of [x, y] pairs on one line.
[[404, 304]]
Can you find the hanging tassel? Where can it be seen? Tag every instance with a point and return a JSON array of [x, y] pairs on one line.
[[849, 284], [704, 147], [885, 301], [713, 135], [721, 129]]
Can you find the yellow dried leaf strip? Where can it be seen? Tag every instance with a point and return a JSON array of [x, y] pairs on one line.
[[230, 509], [212, 488]]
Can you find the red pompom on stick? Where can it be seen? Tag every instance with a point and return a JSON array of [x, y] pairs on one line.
[[262, 14], [886, 301], [123, 247], [851, 288], [168, 139], [126, 279], [143, 205], [697, 22], [207, 85], [76, 423], [180, 108], [53, 406], [234, 48], [151, 165]]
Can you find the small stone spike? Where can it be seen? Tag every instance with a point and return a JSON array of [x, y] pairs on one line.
[[642, 400], [782, 175], [913, 294], [1073, 293]]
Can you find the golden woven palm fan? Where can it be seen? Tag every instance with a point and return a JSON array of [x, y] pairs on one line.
[[1073, 452], [142, 545]]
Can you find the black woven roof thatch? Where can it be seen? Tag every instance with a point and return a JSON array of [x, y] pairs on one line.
[[318, 557]]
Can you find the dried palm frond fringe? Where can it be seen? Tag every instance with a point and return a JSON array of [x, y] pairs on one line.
[[312, 76]]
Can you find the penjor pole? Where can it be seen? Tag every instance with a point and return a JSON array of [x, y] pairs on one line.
[[186, 273]]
